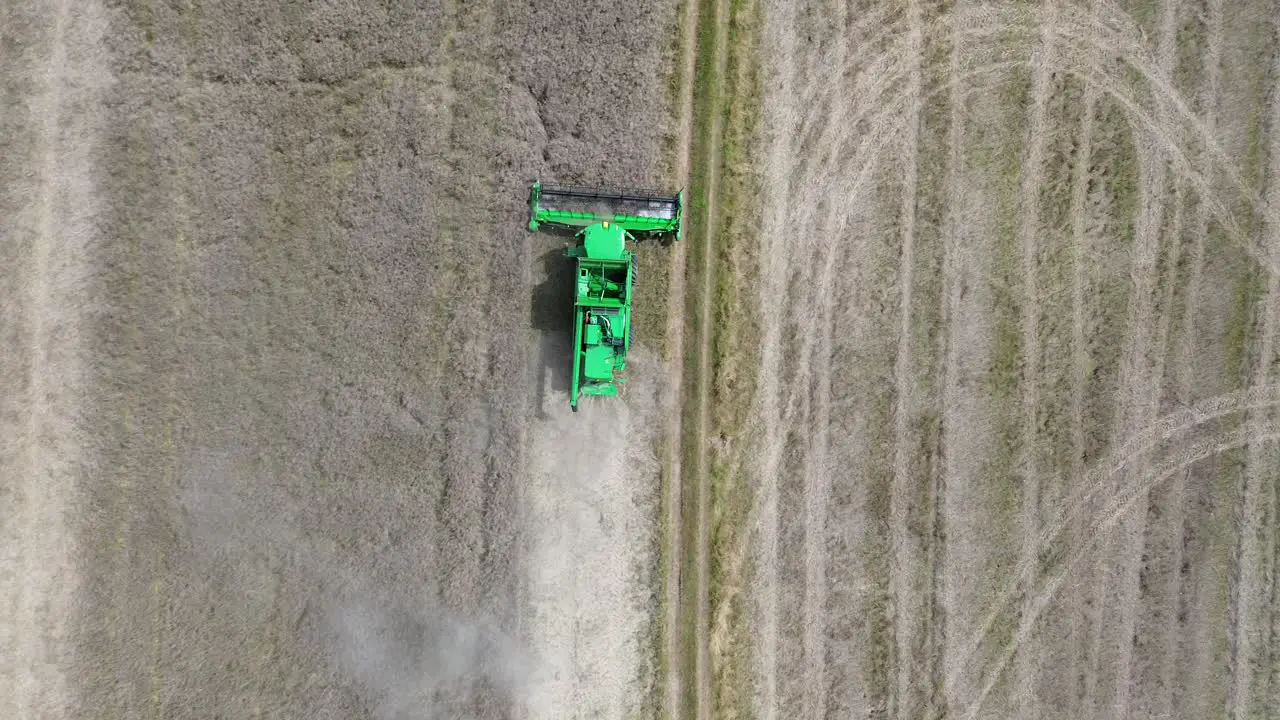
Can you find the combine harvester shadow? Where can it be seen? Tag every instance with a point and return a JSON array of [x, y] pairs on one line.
[[553, 322]]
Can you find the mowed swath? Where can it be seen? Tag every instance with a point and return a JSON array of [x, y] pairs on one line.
[[1018, 353]]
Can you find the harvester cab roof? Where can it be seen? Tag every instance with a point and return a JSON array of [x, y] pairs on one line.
[[603, 240], [603, 220]]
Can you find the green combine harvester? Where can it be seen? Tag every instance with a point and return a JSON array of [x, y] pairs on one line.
[[603, 220]]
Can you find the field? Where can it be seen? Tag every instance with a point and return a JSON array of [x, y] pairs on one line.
[[959, 400], [1011, 437], [285, 421]]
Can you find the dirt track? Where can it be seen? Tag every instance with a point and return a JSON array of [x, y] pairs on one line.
[[1006, 245], [287, 402]]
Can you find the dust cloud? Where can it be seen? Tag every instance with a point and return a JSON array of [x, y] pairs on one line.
[[401, 652]]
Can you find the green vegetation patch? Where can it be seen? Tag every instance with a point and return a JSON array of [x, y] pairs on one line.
[[730, 96], [998, 151], [707, 90], [726, 99]]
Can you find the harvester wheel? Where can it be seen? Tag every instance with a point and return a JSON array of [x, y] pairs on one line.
[[635, 272]]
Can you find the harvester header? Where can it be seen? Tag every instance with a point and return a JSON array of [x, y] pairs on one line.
[[603, 220], [638, 211]]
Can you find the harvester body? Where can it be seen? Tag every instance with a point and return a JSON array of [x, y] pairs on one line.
[[605, 271]]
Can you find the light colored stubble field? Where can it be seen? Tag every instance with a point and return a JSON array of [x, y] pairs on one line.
[[1011, 450]]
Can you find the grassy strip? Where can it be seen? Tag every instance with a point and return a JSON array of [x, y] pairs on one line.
[[707, 88], [735, 347], [726, 98]]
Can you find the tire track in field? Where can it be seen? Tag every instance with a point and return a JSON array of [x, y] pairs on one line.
[[1082, 177], [875, 86], [1185, 366], [789, 244], [816, 468], [1090, 39], [1112, 87], [852, 186], [1250, 621], [904, 558], [817, 188], [1176, 132], [816, 94], [807, 415], [817, 485], [800, 242], [805, 411], [873, 142], [1271, 696], [1166, 509], [813, 317], [1167, 429], [1185, 457], [896, 106], [1028, 466], [1119, 39], [1157, 365], [1118, 590], [775, 181], [1183, 379], [843, 158], [963, 339], [1090, 42], [951, 298]]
